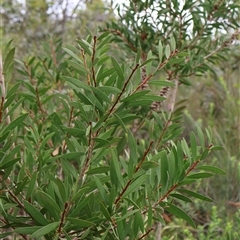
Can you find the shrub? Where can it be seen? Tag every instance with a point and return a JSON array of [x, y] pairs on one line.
[[85, 153]]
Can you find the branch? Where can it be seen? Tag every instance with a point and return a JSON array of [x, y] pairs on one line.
[[63, 217], [123, 90], [93, 58], [145, 234], [137, 168]]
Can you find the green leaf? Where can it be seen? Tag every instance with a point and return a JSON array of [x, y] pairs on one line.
[[149, 164], [115, 169], [196, 195], [216, 148], [79, 68], [132, 202], [98, 170], [14, 107], [35, 214], [181, 197], [212, 169], [9, 101], [101, 95], [164, 173], [200, 137], [193, 146], [27, 230], [180, 214], [128, 214], [161, 83], [186, 150], [133, 147], [49, 203], [79, 194], [45, 140], [10, 163], [109, 89], [204, 154], [134, 186], [45, 230], [72, 54], [101, 190], [74, 131], [118, 69], [102, 36], [71, 155], [15, 123], [77, 82], [80, 223], [85, 46], [167, 51], [8, 60], [160, 51], [173, 43], [200, 175], [31, 185], [121, 123], [134, 96], [138, 222], [105, 211], [173, 61], [13, 90]]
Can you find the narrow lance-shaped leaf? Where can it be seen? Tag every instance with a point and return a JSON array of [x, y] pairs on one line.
[[35, 213], [15, 123], [180, 214], [135, 185], [167, 51], [118, 69], [8, 60], [45, 230], [72, 54], [194, 194], [160, 51], [212, 169], [149, 64], [173, 43]]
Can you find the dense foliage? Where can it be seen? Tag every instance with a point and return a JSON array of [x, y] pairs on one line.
[[92, 144]]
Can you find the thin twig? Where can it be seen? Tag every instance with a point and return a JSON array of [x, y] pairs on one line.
[[93, 58], [145, 234]]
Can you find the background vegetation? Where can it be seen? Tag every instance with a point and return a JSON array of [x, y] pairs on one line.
[[42, 28]]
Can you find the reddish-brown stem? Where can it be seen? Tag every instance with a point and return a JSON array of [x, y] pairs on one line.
[[137, 168], [47, 70], [39, 102], [144, 157], [85, 65], [53, 54], [142, 83], [89, 154], [123, 90], [165, 195], [93, 58], [145, 234], [159, 68], [167, 124], [130, 45], [175, 185], [123, 191], [63, 217], [192, 167], [15, 199]]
